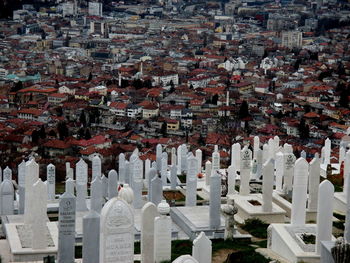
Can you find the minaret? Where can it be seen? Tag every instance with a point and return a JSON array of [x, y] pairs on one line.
[[227, 98], [120, 80]]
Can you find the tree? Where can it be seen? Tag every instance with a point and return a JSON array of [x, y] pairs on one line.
[[62, 130], [87, 134], [42, 132], [304, 130], [243, 110], [344, 98], [214, 99], [52, 133], [82, 118], [35, 136], [163, 129], [90, 77]]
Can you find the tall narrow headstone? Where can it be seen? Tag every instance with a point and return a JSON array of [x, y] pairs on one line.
[[279, 166], [173, 177], [117, 232], [156, 190], [39, 228], [191, 182], [298, 214], [289, 163], [342, 152], [151, 174], [51, 181], [21, 186], [162, 234], [184, 157], [267, 186], [81, 184], [66, 228], [256, 146], [346, 173], [199, 160], [215, 160], [70, 184], [347, 217], [112, 184], [179, 156], [147, 167], [32, 176], [164, 167], [6, 197], [7, 174], [148, 214], [127, 172], [207, 172], [104, 181], [231, 180], [122, 168], [215, 201], [246, 158], [138, 183], [96, 167], [67, 170], [91, 237], [173, 156], [236, 155], [324, 214], [327, 151], [202, 249], [96, 194], [265, 153], [159, 156], [314, 181]]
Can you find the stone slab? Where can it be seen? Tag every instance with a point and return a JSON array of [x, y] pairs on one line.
[[285, 241], [340, 203], [193, 220], [20, 254], [247, 210]]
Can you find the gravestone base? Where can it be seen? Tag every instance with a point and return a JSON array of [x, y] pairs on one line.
[[326, 254], [278, 199], [286, 241], [193, 220], [21, 250], [247, 210], [340, 203]]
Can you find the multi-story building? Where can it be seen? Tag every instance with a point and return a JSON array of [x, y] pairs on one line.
[[292, 39], [95, 9]]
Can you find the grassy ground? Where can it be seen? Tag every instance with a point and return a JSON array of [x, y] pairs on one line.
[[255, 227]]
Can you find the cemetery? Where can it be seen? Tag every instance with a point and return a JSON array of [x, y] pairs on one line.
[[266, 205]]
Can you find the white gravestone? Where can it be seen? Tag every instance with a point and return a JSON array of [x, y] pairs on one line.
[[256, 145], [173, 177], [279, 166], [162, 234], [207, 172], [202, 250], [148, 214], [314, 181], [6, 197], [215, 201], [267, 188], [39, 228], [231, 179], [96, 167], [7, 174], [215, 160], [66, 228], [21, 186], [298, 214], [117, 232], [138, 183], [183, 158], [246, 159], [327, 151], [70, 184], [147, 167], [164, 167], [112, 184], [324, 214], [199, 159], [159, 156], [289, 163], [173, 156], [91, 237], [104, 181], [179, 154], [152, 173], [96, 200], [236, 155], [122, 168], [156, 190], [51, 181], [81, 184], [191, 182], [32, 176]]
